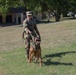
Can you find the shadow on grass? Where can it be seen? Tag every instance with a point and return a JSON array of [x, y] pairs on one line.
[[41, 22], [10, 24], [48, 62], [38, 22], [49, 56], [62, 19]]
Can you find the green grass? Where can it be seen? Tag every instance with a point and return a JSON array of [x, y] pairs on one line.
[[58, 53], [59, 60]]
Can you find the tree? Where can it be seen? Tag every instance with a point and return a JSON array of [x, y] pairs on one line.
[[6, 4], [57, 6], [33, 5]]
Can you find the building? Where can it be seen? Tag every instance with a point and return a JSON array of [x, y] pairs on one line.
[[15, 16]]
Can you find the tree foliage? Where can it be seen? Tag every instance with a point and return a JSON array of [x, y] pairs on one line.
[[72, 5], [59, 6], [6, 4]]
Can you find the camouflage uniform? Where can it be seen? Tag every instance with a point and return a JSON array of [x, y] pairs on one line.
[[31, 25]]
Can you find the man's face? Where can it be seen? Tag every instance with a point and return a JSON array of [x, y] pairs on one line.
[[29, 16]]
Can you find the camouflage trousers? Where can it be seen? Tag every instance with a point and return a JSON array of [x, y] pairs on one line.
[[29, 41]]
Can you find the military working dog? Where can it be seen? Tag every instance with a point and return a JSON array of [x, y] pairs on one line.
[[35, 52]]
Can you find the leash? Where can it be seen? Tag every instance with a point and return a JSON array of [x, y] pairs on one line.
[[33, 41]]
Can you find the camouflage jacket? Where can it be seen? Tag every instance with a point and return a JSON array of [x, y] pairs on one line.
[[31, 25]]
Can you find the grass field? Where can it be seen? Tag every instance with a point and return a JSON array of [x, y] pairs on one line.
[[58, 50]]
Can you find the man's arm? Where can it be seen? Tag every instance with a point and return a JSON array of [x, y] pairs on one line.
[[25, 26], [37, 31]]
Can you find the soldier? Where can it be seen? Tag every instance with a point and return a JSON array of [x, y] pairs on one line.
[[30, 31]]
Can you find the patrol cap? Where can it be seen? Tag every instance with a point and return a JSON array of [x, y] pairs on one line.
[[28, 13]]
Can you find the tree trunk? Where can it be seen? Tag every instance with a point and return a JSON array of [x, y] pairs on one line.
[[57, 15], [48, 17]]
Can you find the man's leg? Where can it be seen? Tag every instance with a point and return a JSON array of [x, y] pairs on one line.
[[27, 46], [23, 35]]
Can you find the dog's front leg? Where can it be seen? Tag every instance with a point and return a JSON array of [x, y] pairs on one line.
[[40, 57], [31, 53]]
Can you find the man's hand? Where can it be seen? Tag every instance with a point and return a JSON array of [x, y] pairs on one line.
[[29, 31], [39, 37]]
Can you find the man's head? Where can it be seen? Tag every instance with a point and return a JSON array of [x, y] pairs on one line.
[[29, 14]]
